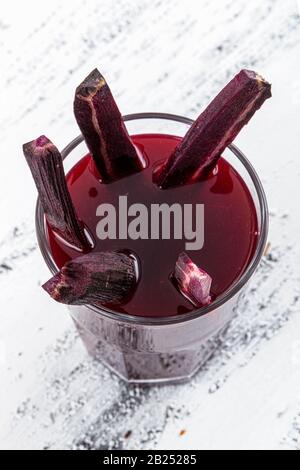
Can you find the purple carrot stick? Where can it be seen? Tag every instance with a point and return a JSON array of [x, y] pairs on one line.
[[214, 130], [45, 163], [96, 278], [104, 131], [193, 282]]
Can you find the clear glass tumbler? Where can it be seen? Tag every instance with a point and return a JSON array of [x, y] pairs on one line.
[[160, 350]]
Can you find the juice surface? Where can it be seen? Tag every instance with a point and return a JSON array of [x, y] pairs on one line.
[[230, 223]]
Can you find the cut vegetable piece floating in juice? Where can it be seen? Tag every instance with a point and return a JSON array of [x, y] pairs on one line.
[[46, 165], [214, 130], [104, 131], [193, 282], [96, 278]]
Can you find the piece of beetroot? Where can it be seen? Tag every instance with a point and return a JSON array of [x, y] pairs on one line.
[[96, 279], [214, 130], [104, 131], [193, 282], [45, 163]]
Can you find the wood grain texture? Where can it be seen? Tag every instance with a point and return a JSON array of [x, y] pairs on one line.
[[169, 56]]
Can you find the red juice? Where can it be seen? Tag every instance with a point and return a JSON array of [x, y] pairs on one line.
[[230, 227]]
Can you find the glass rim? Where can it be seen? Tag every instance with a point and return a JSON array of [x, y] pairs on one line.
[[203, 311]]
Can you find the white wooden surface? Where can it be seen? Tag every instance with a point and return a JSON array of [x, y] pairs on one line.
[[158, 55]]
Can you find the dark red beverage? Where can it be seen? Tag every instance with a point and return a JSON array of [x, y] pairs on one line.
[[231, 227]]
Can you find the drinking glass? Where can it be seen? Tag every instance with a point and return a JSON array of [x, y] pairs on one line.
[[160, 349]]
